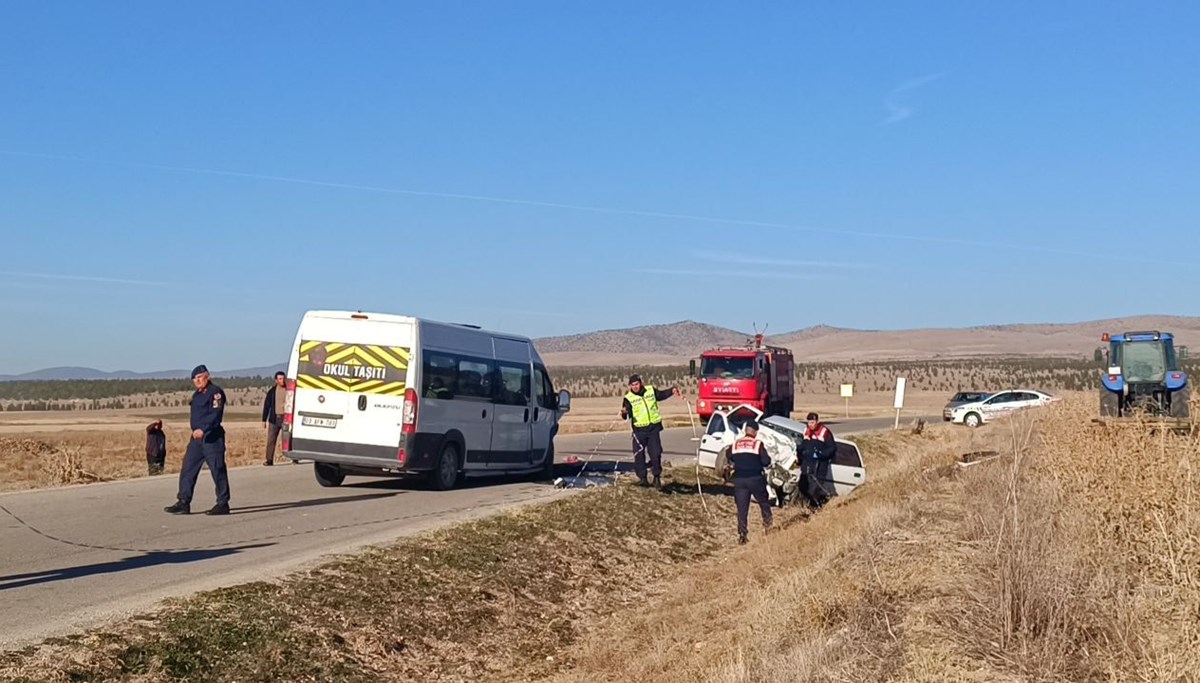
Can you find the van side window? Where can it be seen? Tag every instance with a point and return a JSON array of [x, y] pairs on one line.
[[513, 386], [545, 390], [474, 379], [439, 375]]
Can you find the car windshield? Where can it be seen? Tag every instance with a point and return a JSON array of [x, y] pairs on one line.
[[739, 418], [727, 368], [1142, 361], [968, 396]]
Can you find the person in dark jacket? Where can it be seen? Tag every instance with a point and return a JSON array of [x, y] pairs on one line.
[[816, 451], [748, 457], [272, 414], [207, 446], [640, 406], [156, 448]]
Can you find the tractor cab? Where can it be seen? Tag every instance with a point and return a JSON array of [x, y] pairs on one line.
[[1142, 372]]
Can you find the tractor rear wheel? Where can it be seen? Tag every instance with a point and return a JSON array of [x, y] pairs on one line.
[[1110, 403], [1179, 403]]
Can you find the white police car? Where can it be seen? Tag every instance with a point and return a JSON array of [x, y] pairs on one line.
[[998, 404]]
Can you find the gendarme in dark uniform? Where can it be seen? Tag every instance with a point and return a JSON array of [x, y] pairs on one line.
[[640, 406], [816, 451], [749, 458], [206, 447]]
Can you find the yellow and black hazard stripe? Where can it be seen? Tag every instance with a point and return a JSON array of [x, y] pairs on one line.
[[356, 368]]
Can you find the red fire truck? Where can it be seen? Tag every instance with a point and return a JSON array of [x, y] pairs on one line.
[[762, 376]]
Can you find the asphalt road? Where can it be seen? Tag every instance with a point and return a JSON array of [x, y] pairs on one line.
[[103, 551]]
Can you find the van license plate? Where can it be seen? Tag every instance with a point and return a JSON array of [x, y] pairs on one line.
[[318, 422]]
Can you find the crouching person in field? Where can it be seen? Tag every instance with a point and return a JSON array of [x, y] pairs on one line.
[[749, 457], [156, 448]]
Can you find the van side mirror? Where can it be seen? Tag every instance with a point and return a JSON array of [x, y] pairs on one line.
[[564, 401], [692, 367]]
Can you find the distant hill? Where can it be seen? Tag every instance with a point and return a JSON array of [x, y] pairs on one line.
[[79, 373], [670, 339], [676, 343]]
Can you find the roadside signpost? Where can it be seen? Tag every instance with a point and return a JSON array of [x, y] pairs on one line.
[[847, 393], [899, 400]]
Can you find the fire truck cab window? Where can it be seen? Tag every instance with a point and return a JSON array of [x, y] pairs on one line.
[[728, 368]]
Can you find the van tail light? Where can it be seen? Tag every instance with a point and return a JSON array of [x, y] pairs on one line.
[[289, 412], [408, 424]]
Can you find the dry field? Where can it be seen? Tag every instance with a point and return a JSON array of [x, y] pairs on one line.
[[53, 448], [1042, 561]]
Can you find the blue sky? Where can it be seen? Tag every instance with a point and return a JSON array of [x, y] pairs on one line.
[[179, 183]]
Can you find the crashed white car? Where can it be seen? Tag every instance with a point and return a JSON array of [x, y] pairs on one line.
[[781, 437]]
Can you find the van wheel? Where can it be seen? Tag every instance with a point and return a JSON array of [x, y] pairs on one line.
[[972, 420], [445, 475], [328, 475], [548, 463]]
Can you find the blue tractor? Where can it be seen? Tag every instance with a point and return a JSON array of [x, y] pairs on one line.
[[1142, 373]]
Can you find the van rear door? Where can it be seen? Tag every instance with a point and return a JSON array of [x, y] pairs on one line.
[[350, 383]]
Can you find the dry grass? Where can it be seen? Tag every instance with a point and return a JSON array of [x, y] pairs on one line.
[[1071, 556], [39, 460], [505, 598]]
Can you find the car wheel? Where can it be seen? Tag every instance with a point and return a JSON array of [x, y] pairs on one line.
[[328, 475], [445, 475], [972, 420]]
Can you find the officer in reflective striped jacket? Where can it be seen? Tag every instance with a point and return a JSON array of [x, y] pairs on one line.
[[749, 458], [641, 404]]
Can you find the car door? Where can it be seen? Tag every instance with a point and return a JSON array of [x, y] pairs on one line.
[[846, 472], [1026, 399], [996, 405], [716, 437]]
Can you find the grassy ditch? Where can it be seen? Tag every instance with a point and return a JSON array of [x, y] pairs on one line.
[[503, 598], [1066, 554]]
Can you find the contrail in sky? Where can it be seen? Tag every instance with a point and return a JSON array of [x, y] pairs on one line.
[[900, 111], [82, 278], [976, 244]]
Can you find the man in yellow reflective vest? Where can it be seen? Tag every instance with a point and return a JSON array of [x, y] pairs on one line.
[[640, 406]]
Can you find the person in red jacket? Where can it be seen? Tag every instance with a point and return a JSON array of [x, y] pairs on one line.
[[816, 451], [748, 457]]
